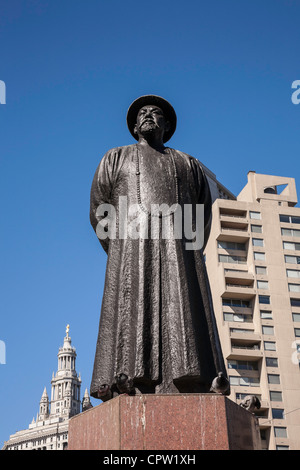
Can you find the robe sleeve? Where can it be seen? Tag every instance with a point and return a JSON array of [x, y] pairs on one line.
[[101, 190], [203, 197]]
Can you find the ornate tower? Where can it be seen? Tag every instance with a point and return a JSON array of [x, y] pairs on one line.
[[65, 393], [44, 406], [86, 402]]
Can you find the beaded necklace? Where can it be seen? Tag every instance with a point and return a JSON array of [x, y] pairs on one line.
[[138, 185]]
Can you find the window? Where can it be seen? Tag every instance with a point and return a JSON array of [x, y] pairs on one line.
[[280, 447], [297, 332], [262, 285], [264, 299], [294, 287], [293, 273], [270, 345], [232, 212], [234, 380], [266, 314], [273, 379], [277, 413], [259, 256], [292, 259], [256, 228], [267, 330], [295, 233], [232, 246], [289, 232], [249, 381], [236, 303], [289, 219], [288, 245], [275, 396], [280, 432], [271, 362], [291, 246], [243, 365], [232, 259], [244, 381], [235, 317], [257, 242], [295, 302], [296, 317], [255, 215], [260, 270], [252, 347]]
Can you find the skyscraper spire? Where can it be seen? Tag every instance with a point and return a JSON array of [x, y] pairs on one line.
[[65, 394]]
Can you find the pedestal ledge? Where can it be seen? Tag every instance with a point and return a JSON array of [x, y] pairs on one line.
[[165, 422]]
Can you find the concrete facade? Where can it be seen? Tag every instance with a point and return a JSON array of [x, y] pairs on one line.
[[253, 263]]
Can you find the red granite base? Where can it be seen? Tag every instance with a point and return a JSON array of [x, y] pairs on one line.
[[165, 422]]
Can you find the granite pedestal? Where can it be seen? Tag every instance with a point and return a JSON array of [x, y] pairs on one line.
[[165, 422]]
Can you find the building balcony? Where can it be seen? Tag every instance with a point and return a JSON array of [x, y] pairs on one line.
[[264, 422], [234, 276], [244, 334], [233, 231], [264, 404], [240, 354], [239, 291], [231, 210], [235, 221], [245, 347], [237, 310]]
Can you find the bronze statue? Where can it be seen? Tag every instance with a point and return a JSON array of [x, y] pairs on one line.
[[157, 331]]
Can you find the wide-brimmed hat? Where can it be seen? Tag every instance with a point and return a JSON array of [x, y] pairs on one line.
[[163, 104]]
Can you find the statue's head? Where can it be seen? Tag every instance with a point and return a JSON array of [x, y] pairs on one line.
[[149, 114]]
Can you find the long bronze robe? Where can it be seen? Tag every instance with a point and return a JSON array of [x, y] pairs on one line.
[[157, 323]]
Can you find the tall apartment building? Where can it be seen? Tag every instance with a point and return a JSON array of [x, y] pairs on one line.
[[253, 263], [49, 431]]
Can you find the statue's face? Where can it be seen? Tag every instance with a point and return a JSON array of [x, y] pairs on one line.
[[151, 119]]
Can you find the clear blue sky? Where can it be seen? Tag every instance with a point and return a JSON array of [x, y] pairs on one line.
[[72, 68]]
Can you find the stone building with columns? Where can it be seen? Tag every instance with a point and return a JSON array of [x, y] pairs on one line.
[[49, 431]]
